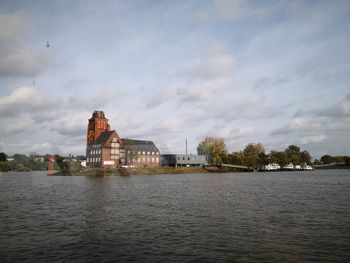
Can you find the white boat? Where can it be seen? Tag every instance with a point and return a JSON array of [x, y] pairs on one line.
[[297, 167], [288, 167], [272, 167], [307, 167]]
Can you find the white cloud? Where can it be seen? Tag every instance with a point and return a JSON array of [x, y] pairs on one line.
[[339, 110], [215, 66], [71, 125], [24, 63], [199, 81], [313, 139], [13, 28], [16, 59], [24, 100], [11, 126]]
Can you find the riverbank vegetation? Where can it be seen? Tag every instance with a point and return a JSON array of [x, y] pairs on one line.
[[36, 162], [255, 156]]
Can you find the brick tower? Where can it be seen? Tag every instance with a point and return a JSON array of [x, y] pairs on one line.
[[97, 124]]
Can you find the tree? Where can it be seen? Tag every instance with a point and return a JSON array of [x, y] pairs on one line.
[[305, 157], [327, 159], [293, 153], [252, 154], [279, 157], [4, 167], [213, 148], [234, 158], [263, 159], [21, 158], [3, 157], [347, 160]]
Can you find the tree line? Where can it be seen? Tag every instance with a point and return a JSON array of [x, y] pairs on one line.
[[255, 156], [35, 162]]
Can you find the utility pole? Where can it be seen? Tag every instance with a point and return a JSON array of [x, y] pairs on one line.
[[186, 146]]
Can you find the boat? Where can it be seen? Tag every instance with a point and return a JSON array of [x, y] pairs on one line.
[[288, 167], [272, 167], [307, 167]]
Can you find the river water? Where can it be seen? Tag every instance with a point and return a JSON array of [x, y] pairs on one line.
[[229, 217]]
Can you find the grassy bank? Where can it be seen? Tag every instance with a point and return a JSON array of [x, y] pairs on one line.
[[134, 171], [165, 170]]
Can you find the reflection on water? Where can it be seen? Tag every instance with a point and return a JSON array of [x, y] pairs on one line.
[[242, 217]]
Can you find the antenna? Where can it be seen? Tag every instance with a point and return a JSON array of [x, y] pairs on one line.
[[186, 146]]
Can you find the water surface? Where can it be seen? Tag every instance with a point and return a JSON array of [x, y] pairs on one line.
[[233, 217]]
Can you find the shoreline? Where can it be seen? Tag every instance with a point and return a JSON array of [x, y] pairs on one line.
[[135, 171]]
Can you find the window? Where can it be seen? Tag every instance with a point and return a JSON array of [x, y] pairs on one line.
[[152, 153], [157, 153], [178, 158], [148, 159], [138, 152], [128, 152], [143, 152], [183, 158], [114, 145], [188, 158], [148, 153], [138, 160], [143, 159], [157, 160], [152, 159]]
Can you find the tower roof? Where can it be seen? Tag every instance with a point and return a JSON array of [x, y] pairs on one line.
[[98, 114]]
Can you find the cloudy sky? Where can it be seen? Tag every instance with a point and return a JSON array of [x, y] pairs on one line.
[[275, 72]]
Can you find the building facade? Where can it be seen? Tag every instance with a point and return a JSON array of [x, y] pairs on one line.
[[104, 147], [176, 160], [141, 153]]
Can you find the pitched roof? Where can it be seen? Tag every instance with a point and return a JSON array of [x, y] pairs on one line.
[[104, 136], [135, 142], [139, 145]]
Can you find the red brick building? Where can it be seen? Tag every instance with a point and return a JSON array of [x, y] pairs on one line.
[[104, 147]]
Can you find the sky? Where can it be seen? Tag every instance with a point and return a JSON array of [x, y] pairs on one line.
[[270, 72]]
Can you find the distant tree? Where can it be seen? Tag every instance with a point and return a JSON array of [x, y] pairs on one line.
[[339, 159], [347, 160], [263, 159], [3, 157], [279, 157], [235, 158], [213, 148], [317, 162], [21, 158], [4, 166], [251, 155], [327, 159], [21, 168], [293, 153], [305, 157]]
